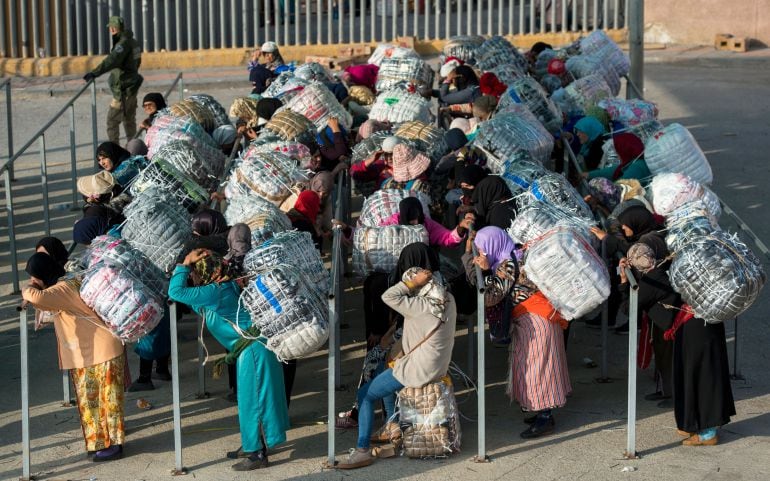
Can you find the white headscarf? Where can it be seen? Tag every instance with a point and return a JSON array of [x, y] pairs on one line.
[[435, 291]]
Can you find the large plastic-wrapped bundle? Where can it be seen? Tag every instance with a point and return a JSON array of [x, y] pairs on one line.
[[313, 71], [318, 104], [507, 73], [292, 127], [598, 44], [208, 102], [410, 70], [384, 203], [497, 51], [165, 177], [645, 130], [194, 110], [284, 87], [128, 308], [295, 150], [269, 175], [630, 112], [717, 275], [583, 65], [287, 312], [585, 92], [568, 271], [462, 47], [429, 420], [376, 249], [520, 173], [297, 247], [386, 50], [166, 128], [157, 226], [538, 219], [264, 218], [397, 106], [117, 252], [526, 90], [429, 137], [515, 130], [185, 158], [680, 230], [674, 149], [555, 190], [670, 191]]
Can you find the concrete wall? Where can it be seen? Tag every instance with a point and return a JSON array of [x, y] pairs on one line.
[[696, 22]]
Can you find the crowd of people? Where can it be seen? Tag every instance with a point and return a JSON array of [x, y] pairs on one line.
[[410, 311]]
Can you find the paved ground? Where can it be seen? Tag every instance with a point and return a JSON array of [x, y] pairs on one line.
[[722, 99]]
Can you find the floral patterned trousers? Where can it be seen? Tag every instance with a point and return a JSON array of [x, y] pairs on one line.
[[99, 392]]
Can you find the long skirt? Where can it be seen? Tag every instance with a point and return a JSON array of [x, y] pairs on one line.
[[538, 378], [703, 397], [99, 391]]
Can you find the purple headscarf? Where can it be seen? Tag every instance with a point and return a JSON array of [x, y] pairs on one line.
[[495, 243]]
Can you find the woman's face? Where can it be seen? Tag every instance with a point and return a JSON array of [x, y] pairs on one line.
[[627, 231], [41, 249], [105, 163], [268, 56], [149, 107], [582, 136]]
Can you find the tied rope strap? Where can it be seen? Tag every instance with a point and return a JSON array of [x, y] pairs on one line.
[[240, 345]]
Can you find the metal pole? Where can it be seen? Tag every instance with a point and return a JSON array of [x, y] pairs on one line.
[[24, 52], [156, 46], [9, 123], [234, 14], [481, 456], [201, 357], [189, 27], [181, 87], [24, 348], [65, 382], [736, 369], [201, 20], [35, 33], [73, 158], [47, 45], [211, 23], [94, 128], [331, 381], [44, 185], [603, 378], [178, 468], [633, 311], [11, 230], [636, 45]]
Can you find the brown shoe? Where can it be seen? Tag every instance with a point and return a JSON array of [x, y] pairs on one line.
[[695, 440], [684, 434], [391, 432], [356, 459], [385, 451]]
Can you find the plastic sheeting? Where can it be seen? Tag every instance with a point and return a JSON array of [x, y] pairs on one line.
[[555, 190], [515, 130], [313, 71], [316, 103], [284, 87], [669, 192], [166, 128], [520, 173], [196, 111], [208, 102], [538, 219], [498, 51], [376, 249], [630, 112], [462, 47], [269, 175], [674, 149], [386, 50], [264, 218], [182, 155], [583, 93], [292, 127], [397, 106], [526, 91], [429, 138], [598, 44], [429, 420], [384, 203], [408, 70], [165, 177], [118, 252]]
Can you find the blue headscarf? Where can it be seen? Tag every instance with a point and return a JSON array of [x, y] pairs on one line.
[[592, 128]]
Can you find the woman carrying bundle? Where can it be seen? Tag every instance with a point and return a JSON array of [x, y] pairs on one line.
[[630, 150], [410, 212], [492, 201], [100, 211], [378, 166], [93, 355], [262, 412], [409, 170]]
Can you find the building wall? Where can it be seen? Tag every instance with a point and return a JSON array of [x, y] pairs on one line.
[[696, 22]]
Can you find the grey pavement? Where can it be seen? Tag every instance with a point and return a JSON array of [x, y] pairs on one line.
[[723, 101]]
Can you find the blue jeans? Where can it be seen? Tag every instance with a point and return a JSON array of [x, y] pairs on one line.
[[384, 387]]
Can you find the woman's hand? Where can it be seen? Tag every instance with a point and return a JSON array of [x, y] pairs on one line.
[[481, 261], [623, 265], [599, 233], [334, 124], [468, 221], [195, 256], [422, 277], [338, 224]]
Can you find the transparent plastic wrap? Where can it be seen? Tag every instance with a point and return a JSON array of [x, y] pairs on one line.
[[292, 127], [166, 128], [668, 192], [583, 66], [361, 95], [583, 93], [515, 130], [499, 51], [118, 252], [287, 312], [429, 420], [520, 173], [674, 149], [284, 87], [157, 226], [462, 47], [269, 175], [208, 102], [128, 308], [555, 190], [428, 136], [598, 44], [413, 71], [376, 249], [316, 103], [540, 69], [630, 112], [717, 275], [568, 271], [299, 248], [646, 130], [165, 177], [384, 203], [264, 218], [526, 91], [398, 106], [683, 226], [313, 71], [610, 157], [294, 150], [196, 111], [182, 155], [538, 219], [386, 50]]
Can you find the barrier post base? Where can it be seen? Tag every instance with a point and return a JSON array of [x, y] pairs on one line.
[[477, 459], [737, 377], [179, 472], [627, 455]]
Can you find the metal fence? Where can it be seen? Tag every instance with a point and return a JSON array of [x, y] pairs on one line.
[[47, 28]]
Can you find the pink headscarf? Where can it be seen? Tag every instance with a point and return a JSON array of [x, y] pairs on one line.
[[408, 164], [365, 75]]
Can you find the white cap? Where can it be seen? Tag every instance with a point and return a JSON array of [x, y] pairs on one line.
[[448, 67], [389, 143], [269, 47]]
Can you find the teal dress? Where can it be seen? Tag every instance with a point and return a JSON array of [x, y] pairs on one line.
[[261, 398], [635, 170]]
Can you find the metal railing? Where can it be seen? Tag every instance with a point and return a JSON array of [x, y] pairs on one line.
[[5, 84], [78, 27]]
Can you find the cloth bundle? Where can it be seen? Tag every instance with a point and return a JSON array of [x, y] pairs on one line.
[[584, 65], [462, 47], [166, 128], [674, 149], [185, 158], [364, 150], [717, 275], [681, 230], [507, 73], [208, 102], [318, 104], [194, 110], [115, 251], [157, 226], [292, 127], [429, 420], [428, 137], [583, 93], [610, 157], [386, 50], [565, 267], [645, 130], [526, 90], [128, 308], [313, 71], [284, 87], [376, 249], [554, 189], [270, 175], [409, 70], [287, 312], [383, 203], [499, 51], [515, 130], [598, 44], [539, 218], [397, 106], [163, 176], [264, 218], [519, 174], [669, 192], [630, 112], [294, 150]]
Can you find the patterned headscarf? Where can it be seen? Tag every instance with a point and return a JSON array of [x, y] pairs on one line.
[[605, 191], [435, 291], [408, 164], [209, 268], [641, 257]]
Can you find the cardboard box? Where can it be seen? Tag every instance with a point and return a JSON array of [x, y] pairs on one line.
[[729, 42], [332, 63], [406, 42], [355, 51]]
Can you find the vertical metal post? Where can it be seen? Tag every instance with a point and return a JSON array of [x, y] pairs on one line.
[[521, 17], [616, 15], [481, 381], [167, 25], [201, 358], [3, 45], [511, 8], [318, 15], [633, 311], [234, 14], [65, 383], [478, 17], [531, 16], [277, 23], [135, 20], [564, 16], [471, 349], [298, 15], [73, 158], [11, 230], [9, 124], [202, 21], [362, 20], [383, 14], [176, 403], [24, 52], [331, 384], [585, 15], [542, 16], [47, 46], [447, 15], [736, 366], [415, 19], [605, 322], [309, 17], [94, 128], [145, 25], [189, 27], [72, 32], [211, 23], [181, 87], [44, 185], [372, 24], [24, 348], [156, 44], [605, 14], [636, 46], [61, 30], [595, 13], [394, 23], [35, 33]]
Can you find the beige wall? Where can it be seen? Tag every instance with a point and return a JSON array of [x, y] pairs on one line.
[[698, 21]]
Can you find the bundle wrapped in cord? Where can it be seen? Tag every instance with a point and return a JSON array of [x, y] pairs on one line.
[[584, 65], [430, 420], [316, 103], [313, 71], [568, 271], [264, 218], [287, 312], [598, 44], [196, 111], [555, 190], [386, 50], [157, 226], [284, 87], [462, 47], [361, 151], [717, 275], [584, 92], [674, 149], [645, 130], [538, 219], [295, 246], [629, 112], [295, 150], [668, 192], [515, 130], [429, 138], [519, 174], [384, 203], [269, 175], [185, 158], [506, 73], [526, 90], [498, 51], [115, 251], [680, 229], [413, 71], [398, 106], [163, 176], [376, 249], [218, 112], [292, 127], [166, 128]]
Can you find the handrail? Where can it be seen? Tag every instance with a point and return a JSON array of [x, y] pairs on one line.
[[481, 381], [6, 85], [177, 80]]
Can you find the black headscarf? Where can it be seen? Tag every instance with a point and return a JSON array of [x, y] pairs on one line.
[[114, 152], [208, 222], [88, 228], [415, 255], [470, 174], [489, 190], [409, 209], [45, 268], [639, 219], [266, 107], [465, 77], [156, 98], [55, 248]]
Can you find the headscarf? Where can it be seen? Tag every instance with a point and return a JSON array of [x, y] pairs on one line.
[[462, 124], [136, 147], [266, 107], [55, 248], [209, 267], [45, 268], [605, 191], [308, 204], [638, 219], [322, 181], [409, 209], [88, 228], [365, 74], [389, 143], [114, 152], [496, 244], [435, 291], [469, 174], [599, 114], [641, 257], [592, 128], [466, 77], [208, 222], [224, 135], [415, 255], [455, 138], [491, 85], [408, 164], [156, 98], [489, 190], [238, 241], [629, 148]]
